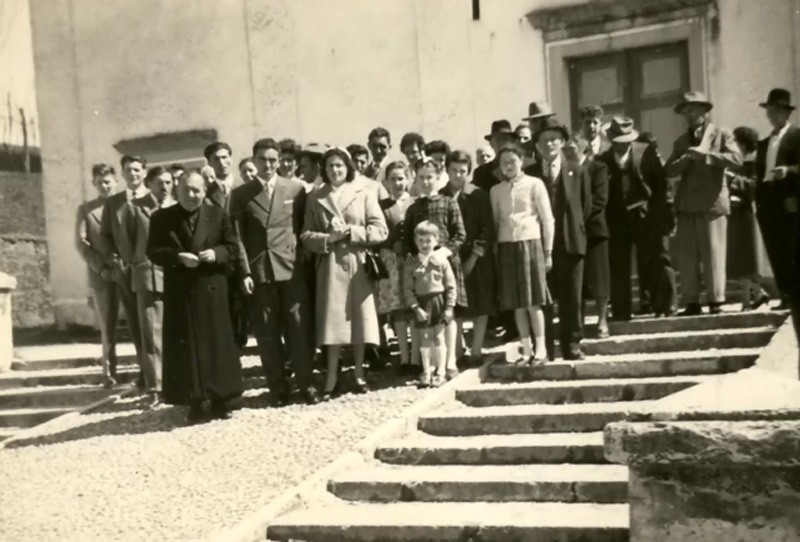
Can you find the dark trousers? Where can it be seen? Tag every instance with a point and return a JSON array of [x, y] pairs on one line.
[[778, 230], [565, 281], [653, 264], [282, 309], [238, 308]]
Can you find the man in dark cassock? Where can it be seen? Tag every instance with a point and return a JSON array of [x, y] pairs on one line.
[[196, 246]]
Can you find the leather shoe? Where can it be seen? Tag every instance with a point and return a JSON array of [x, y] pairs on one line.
[[280, 400], [360, 386], [310, 396], [692, 309], [714, 308], [195, 413], [574, 355]]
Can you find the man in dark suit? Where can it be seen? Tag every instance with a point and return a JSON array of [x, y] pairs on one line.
[[268, 217], [93, 249], [570, 190], [488, 175], [119, 230], [218, 193], [778, 189], [639, 213]]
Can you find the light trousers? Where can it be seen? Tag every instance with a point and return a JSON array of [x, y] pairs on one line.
[[106, 307], [150, 307], [702, 252]]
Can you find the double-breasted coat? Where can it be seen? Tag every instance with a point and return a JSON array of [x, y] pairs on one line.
[[200, 357], [345, 303]]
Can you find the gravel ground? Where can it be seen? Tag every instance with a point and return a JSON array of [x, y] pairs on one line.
[[125, 473]]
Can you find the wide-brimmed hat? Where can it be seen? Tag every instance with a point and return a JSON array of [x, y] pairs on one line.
[[693, 97], [779, 97], [538, 110], [621, 130], [551, 123], [500, 127], [315, 149]]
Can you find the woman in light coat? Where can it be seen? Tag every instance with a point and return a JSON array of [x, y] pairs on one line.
[[342, 219]]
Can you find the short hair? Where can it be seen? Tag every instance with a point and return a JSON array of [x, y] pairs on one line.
[[243, 161], [174, 168], [425, 162], [397, 164], [265, 143], [341, 153], [591, 112], [437, 146], [459, 157], [356, 149], [412, 138], [579, 140], [212, 148], [746, 138], [513, 148], [379, 132], [102, 169], [290, 146], [189, 172], [523, 126], [154, 173], [426, 227], [128, 158]]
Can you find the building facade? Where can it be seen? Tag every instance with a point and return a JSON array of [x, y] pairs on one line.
[[162, 78]]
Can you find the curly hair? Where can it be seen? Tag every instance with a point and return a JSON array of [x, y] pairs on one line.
[[746, 138]]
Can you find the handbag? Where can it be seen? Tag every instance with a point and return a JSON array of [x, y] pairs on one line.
[[374, 266]]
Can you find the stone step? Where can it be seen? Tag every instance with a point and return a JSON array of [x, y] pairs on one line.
[[679, 341], [441, 522], [28, 417], [575, 391], [630, 366], [53, 396], [70, 356], [495, 420], [8, 432], [698, 323], [486, 483], [521, 449]]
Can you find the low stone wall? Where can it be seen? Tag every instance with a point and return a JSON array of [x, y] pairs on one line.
[[23, 248]]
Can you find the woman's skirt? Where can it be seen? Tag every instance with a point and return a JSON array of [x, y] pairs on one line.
[[434, 306], [481, 286], [390, 290], [597, 283], [522, 275], [742, 261]]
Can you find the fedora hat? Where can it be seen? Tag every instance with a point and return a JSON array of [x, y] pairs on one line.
[[693, 97], [621, 130], [779, 97], [500, 127], [551, 123], [538, 110], [315, 149]]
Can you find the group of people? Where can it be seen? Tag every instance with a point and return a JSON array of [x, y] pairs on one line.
[[333, 246]]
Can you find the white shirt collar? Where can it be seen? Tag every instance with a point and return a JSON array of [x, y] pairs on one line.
[[622, 159], [781, 132]]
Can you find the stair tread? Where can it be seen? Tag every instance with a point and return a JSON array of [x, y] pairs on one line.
[[645, 356], [33, 410], [70, 371], [693, 333], [518, 440], [46, 390], [486, 473], [537, 409], [550, 384], [528, 514]]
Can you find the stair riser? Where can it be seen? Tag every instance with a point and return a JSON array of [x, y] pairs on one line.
[[487, 491], [24, 419], [423, 533], [491, 456], [613, 347], [699, 323], [66, 398], [507, 425], [626, 369], [571, 395]]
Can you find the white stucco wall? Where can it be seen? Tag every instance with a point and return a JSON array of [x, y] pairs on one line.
[[319, 70]]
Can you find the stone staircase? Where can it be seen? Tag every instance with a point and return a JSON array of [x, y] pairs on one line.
[[49, 381], [520, 456]]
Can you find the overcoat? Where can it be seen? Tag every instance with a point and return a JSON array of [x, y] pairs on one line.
[[345, 303], [200, 357]]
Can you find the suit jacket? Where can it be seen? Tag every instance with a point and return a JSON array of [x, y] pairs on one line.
[[702, 188], [488, 175], [771, 195], [146, 277], [215, 196], [92, 245], [596, 224], [578, 203], [119, 230], [650, 184], [268, 230]]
